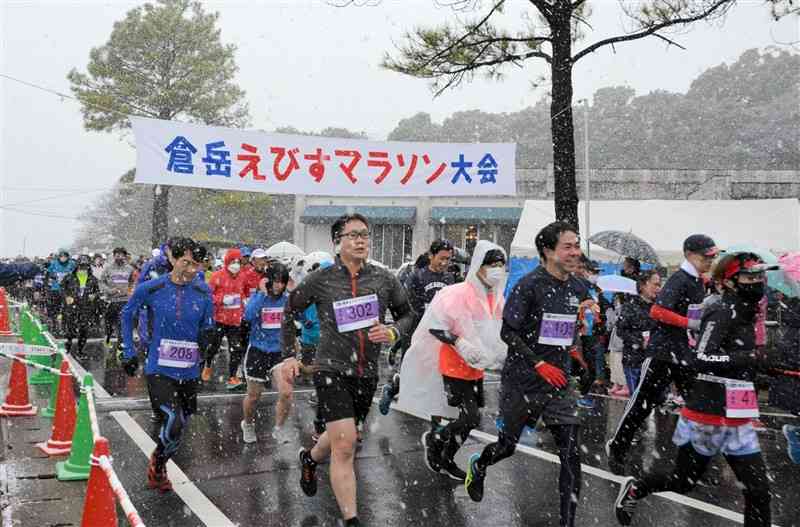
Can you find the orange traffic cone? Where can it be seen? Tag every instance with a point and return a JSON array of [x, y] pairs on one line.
[[17, 402], [99, 508], [5, 329], [60, 441]]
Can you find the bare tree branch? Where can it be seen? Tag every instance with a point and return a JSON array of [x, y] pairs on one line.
[[669, 41], [651, 30]]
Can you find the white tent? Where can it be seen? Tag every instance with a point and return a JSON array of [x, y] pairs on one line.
[[771, 224]]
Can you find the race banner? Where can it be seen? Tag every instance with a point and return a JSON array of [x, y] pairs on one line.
[[173, 153]]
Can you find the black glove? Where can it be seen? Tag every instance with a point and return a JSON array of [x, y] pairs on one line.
[[130, 365], [444, 336]]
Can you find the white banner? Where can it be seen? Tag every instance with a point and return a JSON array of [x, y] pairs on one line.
[[173, 153]]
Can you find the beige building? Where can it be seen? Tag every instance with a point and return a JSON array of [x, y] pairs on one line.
[[403, 228]]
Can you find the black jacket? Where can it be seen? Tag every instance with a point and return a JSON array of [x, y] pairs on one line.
[[423, 286], [634, 327], [349, 352], [784, 391], [726, 347], [85, 300]]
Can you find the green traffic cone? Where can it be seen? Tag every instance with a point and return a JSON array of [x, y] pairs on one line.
[[41, 376], [77, 467], [50, 411], [26, 326]]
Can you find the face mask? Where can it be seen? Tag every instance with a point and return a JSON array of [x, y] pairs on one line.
[[234, 267], [495, 275], [119, 261], [751, 293]]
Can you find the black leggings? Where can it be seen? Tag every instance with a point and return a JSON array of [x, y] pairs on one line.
[[113, 319], [467, 396], [567, 438], [690, 467], [176, 402], [76, 324], [235, 346], [656, 377]]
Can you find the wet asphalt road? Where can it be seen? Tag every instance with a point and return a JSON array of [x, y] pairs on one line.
[[257, 485]]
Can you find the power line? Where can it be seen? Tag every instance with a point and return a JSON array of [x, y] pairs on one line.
[[60, 94], [30, 213], [50, 198]]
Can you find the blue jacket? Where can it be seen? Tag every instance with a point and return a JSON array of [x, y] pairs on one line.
[[154, 267], [268, 340], [309, 333], [10, 274], [57, 272], [178, 312]]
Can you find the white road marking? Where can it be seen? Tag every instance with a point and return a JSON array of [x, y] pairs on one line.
[[603, 474], [198, 502]]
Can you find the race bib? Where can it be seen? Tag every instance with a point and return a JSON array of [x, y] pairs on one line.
[[82, 290], [119, 278], [356, 313], [695, 312], [177, 353], [741, 400], [60, 276], [232, 301], [557, 330], [271, 317]]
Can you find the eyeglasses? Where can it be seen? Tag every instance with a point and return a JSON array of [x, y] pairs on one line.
[[354, 235]]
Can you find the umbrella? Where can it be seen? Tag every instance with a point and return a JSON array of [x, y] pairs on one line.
[[285, 251], [626, 244], [789, 277], [612, 283]]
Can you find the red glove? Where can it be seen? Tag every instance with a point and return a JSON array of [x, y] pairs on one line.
[[789, 373], [552, 374], [578, 356]]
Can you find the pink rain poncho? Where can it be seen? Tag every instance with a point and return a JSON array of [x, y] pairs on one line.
[[464, 310]]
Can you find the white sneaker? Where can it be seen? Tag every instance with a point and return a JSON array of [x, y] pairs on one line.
[[281, 434], [249, 432]]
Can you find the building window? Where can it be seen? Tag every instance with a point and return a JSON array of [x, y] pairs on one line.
[[391, 244]]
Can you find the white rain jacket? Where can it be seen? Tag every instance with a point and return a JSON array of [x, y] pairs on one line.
[[462, 309]]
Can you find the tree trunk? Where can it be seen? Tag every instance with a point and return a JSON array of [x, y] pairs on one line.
[[566, 194], [160, 215], [160, 206]]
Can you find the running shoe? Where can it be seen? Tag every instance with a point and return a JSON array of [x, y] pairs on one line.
[[792, 435], [387, 394], [206, 375], [249, 432], [473, 483], [626, 502], [433, 452], [308, 472], [615, 463], [449, 468], [586, 402], [157, 477], [234, 383]]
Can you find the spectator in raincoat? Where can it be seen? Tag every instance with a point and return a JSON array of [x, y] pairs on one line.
[[457, 338]]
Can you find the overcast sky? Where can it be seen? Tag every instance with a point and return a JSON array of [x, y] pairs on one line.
[[302, 63]]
